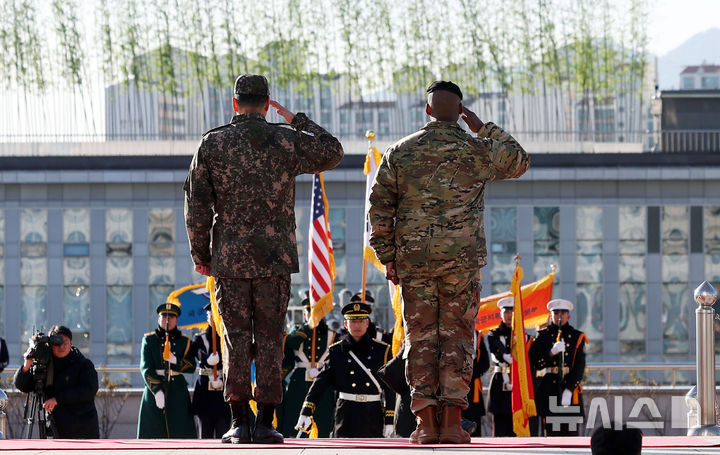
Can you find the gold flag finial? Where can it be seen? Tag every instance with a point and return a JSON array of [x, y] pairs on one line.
[[370, 134]]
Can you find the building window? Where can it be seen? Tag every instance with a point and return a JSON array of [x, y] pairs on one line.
[[590, 299], [688, 82], [674, 227], [76, 276], [161, 260], [33, 272], [2, 271], [546, 242], [711, 229], [632, 278], [503, 247], [119, 281], [384, 122], [710, 82]]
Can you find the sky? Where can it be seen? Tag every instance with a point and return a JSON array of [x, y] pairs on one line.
[[672, 22]]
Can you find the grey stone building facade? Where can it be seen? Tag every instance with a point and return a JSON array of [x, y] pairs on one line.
[[97, 243]]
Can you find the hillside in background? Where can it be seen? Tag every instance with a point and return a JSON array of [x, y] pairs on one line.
[[702, 47]]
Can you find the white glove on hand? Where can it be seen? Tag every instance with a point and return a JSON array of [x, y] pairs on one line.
[[566, 396], [217, 384], [172, 360], [213, 359], [160, 399], [508, 359], [558, 348], [303, 423], [313, 372], [388, 431]]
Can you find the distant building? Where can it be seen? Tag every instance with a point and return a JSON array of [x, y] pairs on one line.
[[700, 77], [689, 120]]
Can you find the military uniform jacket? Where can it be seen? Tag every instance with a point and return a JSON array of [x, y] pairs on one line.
[[355, 419], [177, 418], [548, 383], [206, 402], [426, 203], [297, 361], [241, 189], [499, 402]]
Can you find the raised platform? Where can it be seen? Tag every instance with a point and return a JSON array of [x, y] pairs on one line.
[[508, 446]]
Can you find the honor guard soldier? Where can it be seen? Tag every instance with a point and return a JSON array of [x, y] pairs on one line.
[[364, 407], [306, 351], [207, 400], [165, 408], [558, 356], [476, 406]]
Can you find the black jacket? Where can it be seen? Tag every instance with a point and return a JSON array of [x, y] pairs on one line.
[[73, 382], [354, 419], [206, 402], [4, 357]]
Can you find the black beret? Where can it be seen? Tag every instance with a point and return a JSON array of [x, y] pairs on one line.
[[445, 85]]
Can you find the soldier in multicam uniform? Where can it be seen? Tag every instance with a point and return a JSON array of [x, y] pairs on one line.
[[365, 408], [558, 357], [165, 410], [240, 192], [426, 212], [303, 362]]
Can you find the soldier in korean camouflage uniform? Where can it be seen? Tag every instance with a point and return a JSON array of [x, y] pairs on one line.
[[558, 358], [303, 369], [165, 410], [240, 192], [426, 212], [365, 407]]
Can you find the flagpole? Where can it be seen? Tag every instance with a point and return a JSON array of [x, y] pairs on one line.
[[364, 278], [370, 135]]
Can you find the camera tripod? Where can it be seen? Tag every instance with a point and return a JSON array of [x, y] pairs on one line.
[[35, 411]]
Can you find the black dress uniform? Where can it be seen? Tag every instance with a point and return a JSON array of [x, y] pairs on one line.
[[207, 403], [476, 404], [298, 363], [360, 411], [500, 396], [550, 382]]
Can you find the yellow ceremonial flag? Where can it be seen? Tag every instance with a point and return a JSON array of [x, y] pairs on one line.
[[522, 395], [372, 161], [217, 319], [399, 329]]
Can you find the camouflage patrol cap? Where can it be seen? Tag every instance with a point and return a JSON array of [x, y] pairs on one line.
[[252, 84], [445, 85]]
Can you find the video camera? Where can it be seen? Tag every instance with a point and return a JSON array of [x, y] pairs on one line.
[[41, 353]]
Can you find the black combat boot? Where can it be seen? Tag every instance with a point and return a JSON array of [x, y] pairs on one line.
[[264, 432], [239, 432]]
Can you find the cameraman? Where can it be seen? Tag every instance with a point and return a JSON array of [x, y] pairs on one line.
[[70, 388]]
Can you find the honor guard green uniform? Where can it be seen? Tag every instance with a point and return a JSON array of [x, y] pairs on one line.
[[364, 408], [558, 358], [303, 363], [165, 410]]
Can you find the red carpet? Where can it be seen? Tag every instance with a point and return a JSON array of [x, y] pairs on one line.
[[164, 444]]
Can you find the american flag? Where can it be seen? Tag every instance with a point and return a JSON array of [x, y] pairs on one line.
[[321, 262]]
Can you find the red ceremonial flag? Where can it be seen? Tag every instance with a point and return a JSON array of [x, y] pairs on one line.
[[523, 395], [321, 261], [535, 296]]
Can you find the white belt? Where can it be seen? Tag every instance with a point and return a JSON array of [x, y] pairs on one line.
[[502, 370], [208, 372], [305, 365], [359, 398], [172, 373]]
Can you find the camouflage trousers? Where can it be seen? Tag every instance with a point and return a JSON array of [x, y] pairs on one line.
[[439, 314], [253, 315]]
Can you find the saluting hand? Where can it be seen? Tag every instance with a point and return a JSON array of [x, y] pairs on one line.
[[282, 111], [472, 120]]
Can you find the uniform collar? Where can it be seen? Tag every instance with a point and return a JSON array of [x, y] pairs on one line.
[[237, 118], [437, 124], [349, 343]]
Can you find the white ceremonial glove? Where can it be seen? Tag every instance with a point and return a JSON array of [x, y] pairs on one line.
[[303, 423], [566, 396], [508, 359], [558, 348], [172, 360], [388, 431], [313, 372], [160, 399], [213, 359], [216, 384]]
